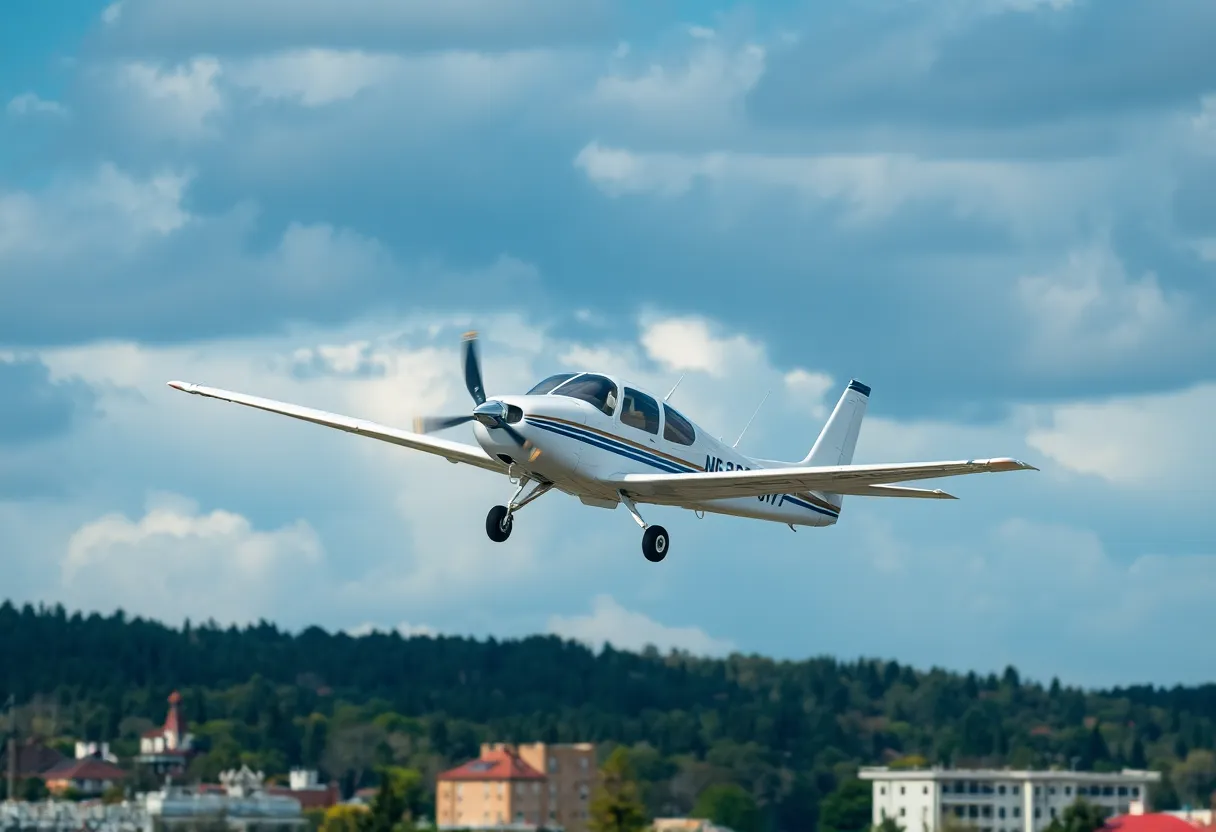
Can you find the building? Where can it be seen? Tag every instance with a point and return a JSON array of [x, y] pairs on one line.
[[100, 750], [305, 787], [167, 750], [87, 776], [997, 800], [531, 786], [242, 804], [570, 771]]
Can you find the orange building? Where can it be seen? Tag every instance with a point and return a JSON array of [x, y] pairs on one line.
[[534, 785]]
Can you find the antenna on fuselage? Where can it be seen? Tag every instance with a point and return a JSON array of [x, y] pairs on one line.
[[749, 421], [673, 389]]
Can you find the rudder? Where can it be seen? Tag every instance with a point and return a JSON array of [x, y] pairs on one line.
[[838, 439]]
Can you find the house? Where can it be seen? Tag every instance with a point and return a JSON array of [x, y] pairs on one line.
[[168, 749], [87, 776]]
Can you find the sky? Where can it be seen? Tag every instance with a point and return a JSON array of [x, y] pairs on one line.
[[999, 214]]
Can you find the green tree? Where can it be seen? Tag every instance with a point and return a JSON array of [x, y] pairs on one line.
[[729, 805], [888, 824], [343, 817], [617, 804], [1081, 816], [387, 812], [1195, 777], [849, 808]]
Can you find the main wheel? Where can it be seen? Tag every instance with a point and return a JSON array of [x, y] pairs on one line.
[[655, 543], [498, 524]]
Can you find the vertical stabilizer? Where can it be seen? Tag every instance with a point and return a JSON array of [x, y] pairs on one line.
[[838, 439]]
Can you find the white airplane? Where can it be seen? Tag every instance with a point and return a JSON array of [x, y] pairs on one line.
[[608, 442]]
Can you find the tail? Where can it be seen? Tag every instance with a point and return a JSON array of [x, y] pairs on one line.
[[838, 439]]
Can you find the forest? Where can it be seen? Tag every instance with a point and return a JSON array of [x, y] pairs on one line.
[[785, 736]]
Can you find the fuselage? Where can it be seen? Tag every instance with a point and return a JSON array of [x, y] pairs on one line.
[[592, 428]]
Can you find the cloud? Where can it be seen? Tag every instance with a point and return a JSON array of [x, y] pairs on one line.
[[1151, 441], [176, 562], [628, 630], [35, 406], [30, 104], [179, 101], [191, 25]]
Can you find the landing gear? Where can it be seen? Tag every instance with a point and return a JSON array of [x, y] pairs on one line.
[[655, 541], [501, 518], [654, 544], [498, 524]]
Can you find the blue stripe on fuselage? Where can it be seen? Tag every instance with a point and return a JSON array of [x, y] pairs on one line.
[[642, 455]]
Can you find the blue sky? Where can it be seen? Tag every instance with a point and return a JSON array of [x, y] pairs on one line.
[[999, 214]]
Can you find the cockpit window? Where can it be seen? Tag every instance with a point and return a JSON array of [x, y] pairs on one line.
[[597, 390], [639, 411], [548, 384], [676, 428]]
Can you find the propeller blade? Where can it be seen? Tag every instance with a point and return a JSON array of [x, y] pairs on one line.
[[432, 424], [519, 440], [472, 369]]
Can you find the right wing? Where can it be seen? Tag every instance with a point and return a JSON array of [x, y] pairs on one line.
[[451, 451]]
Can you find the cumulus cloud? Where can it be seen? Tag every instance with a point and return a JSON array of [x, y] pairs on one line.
[[176, 562], [179, 101], [1149, 441], [609, 622], [31, 104], [36, 406]]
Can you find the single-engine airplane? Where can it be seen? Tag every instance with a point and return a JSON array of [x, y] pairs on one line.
[[608, 442]]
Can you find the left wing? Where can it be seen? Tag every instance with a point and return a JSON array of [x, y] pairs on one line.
[[826, 479], [451, 451]]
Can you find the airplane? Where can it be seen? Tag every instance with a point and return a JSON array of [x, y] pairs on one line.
[[608, 442]]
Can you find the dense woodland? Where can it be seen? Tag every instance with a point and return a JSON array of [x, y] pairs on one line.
[[785, 738]]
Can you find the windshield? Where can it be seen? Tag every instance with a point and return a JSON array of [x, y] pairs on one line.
[[548, 384], [597, 390]]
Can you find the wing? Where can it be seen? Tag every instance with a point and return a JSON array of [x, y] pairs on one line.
[[828, 479], [897, 491], [451, 451]]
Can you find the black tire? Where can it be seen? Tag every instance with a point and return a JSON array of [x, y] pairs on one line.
[[655, 543], [499, 523]]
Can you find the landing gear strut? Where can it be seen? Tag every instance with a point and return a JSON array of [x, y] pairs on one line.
[[501, 518], [655, 540]]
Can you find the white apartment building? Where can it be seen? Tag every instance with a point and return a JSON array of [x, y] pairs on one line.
[[997, 800]]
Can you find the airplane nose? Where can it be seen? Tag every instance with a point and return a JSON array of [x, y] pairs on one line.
[[491, 413]]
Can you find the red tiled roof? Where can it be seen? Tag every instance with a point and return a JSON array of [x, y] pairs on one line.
[[86, 768], [1148, 823], [310, 798], [496, 765]]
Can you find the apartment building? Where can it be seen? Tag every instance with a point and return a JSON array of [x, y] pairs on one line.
[[526, 786], [997, 800]]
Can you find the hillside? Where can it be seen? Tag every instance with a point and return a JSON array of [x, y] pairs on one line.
[[789, 732]]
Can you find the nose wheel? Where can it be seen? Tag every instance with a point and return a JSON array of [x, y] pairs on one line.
[[501, 518], [498, 524]]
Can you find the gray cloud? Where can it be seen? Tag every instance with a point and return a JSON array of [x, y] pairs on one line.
[[35, 407]]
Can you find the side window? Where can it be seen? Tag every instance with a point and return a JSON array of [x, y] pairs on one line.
[[639, 411], [677, 429], [597, 390]]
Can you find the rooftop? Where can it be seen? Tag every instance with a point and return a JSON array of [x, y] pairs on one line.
[[940, 773], [496, 765], [86, 768]]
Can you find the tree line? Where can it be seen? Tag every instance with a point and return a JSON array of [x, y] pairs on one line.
[[781, 739]]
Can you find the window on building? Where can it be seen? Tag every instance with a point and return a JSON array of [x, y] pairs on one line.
[[1038, 813], [639, 411], [1135, 791], [903, 790], [1053, 811], [1017, 811], [973, 787], [1107, 791], [926, 790], [973, 811], [1000, 789], [1123, 791], [552, 764], [986, 811], [594, 389], [1068, 791], [1016, 789], [882, 789], [1038, 790], [902, 811], [583, 761], [1000, 813], [1051, 789]]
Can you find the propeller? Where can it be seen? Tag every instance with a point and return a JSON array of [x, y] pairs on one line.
[[491, 413]]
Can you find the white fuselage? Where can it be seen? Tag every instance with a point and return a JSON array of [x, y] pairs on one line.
[[583, 448]]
